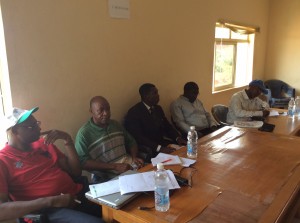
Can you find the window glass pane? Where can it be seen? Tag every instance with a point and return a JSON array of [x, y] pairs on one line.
[[242, 63], [238, 36], [224, 65], [222, 32], [233, 59]]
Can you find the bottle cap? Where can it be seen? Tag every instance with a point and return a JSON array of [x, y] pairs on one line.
[[192, 127], [160, 166]]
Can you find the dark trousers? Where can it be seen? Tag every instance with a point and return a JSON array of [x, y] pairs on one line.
[[87, 211]]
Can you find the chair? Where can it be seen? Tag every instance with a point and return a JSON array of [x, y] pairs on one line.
[[33, 218], [219, 113], [281, 93], [180, 131]]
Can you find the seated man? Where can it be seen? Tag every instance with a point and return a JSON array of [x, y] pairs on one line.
[[102, 144], [148, 124], [188, 111], [246, 103], [36, 176]]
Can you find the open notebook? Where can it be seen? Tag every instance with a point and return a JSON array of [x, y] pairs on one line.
[[115, 200]]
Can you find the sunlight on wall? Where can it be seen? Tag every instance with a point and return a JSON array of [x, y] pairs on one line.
[[5, 95]]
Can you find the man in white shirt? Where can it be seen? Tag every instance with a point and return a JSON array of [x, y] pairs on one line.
[[246, 103], [188, 110]]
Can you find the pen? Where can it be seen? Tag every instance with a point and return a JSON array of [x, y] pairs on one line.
[[76, 200], [166, 161]]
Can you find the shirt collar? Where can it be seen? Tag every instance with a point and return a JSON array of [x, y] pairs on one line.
[[245, 95], [147, 106]]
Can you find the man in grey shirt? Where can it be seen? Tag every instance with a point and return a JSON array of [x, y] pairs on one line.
[[246, 103], [187, 110]]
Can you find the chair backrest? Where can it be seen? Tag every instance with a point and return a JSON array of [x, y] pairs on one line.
[[219, 113], [181, 132], [280, 89]]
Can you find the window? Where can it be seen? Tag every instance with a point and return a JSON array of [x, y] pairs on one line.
[[233, 56], [5, 95]]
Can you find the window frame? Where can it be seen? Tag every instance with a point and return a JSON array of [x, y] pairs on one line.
[[229, 40]]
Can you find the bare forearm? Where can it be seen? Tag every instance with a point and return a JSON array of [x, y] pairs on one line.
[[16, 209], [72, 159], [92, 165], [133, 151]]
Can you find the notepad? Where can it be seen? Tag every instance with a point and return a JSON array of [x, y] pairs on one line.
[[166, 159]]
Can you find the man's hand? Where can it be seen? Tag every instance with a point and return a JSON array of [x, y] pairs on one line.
[[266, 113], [64, 200], [180, 141], [167, 149], [214, 128], [52, 135], [121, 167], [138, 162]]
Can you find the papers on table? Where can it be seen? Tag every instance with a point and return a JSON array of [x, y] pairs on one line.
[[143, 182], [187, 162], [248, 124], [109, 187], [131, 183], [168, 159], [140, 181], [273, 113], [174, 146], [276, 113]]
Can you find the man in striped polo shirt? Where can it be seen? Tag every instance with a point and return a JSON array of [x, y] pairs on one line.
[[104, 147]]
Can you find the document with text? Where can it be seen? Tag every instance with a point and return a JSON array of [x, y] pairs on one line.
[[143, 182]]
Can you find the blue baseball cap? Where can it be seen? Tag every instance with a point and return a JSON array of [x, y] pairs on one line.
[[260, 85]]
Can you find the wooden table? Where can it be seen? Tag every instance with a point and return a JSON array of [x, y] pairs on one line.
[[285, 124], [241, 175]]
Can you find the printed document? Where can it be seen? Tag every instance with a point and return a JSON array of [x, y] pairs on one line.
[[143, 182]]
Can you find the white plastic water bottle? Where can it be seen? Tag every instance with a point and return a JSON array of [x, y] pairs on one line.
[[297, 106], [291, 108], [192, 138], [162, 199]]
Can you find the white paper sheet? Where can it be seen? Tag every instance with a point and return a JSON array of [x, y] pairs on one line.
[[166, 159], [174, 146], [143, 182], [102, 189], [273, 113], [187, 162], [119, 9]]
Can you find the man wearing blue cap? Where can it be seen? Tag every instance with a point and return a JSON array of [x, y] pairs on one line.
[[246, 103], [36, 176]]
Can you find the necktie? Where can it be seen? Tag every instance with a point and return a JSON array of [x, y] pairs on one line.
[[155, 117]]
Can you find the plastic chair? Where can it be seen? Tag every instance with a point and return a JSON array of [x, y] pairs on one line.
[[281, 93], [180, 131], [33, 218], [219, 113]]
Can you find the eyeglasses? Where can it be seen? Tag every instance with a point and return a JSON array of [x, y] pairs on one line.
[[34, 125]]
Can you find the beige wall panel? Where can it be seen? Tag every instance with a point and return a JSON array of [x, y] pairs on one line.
[[283, 54], [63, 52]]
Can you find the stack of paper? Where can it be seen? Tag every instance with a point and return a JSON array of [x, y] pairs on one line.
[[168, 159], [143, 182], [102, 189], [131, 183]]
